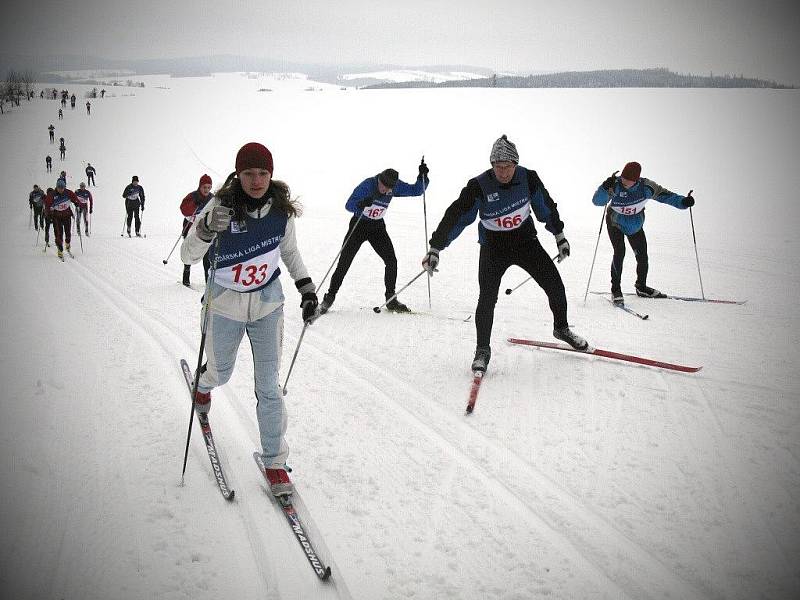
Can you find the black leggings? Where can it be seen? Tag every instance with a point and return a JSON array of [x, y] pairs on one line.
[[132, 208], [530, 256], [375, 233], [638, 243]]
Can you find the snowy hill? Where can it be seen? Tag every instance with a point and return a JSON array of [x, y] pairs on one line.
[[576, 477]]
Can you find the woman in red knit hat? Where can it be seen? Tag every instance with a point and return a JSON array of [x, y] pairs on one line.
[[192, 204], [248, 227]]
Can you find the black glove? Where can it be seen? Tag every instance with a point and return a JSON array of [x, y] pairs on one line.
[[563, 247], [423, 169], [142, 207], [90, 211], [688, 201], [609, 183], [362, 204], [309, 304]]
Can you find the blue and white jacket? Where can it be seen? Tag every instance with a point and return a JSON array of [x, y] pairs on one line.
[[246, 285], [626, 211], [380, 202]]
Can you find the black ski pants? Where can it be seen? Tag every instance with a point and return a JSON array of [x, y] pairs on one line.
[[90, 179], [132, 208], [374, 232], [528, 254], [638, 242], [38, 217]]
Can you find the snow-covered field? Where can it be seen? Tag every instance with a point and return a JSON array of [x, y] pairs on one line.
[[575, 477]]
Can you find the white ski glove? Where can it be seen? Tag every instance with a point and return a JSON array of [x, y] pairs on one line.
[[216, 220], [431, 260], [563, 247]]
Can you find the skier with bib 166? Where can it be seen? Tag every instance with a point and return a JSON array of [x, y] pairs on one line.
[[249, 226], [134, 200], [625, 218], [369, 203], [504, 198]]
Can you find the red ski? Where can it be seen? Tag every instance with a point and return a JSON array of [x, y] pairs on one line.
[[608, 354], [477, 377]]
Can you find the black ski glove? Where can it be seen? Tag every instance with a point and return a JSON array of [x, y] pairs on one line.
[[309, 304], [610, 182], [688, 201], [423, 170], [362, 204]]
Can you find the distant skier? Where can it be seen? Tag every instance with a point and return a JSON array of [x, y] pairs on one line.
[[48, 222], [90, 172], [60, 114], [504, 197], [72, 101], [252, 236], [48, 163], [88, 107], [192, 204], [134, 200], [36, 201], [52, 131], [85, 203], [628, 196], [62, 149], [369, 203], [58, 209], [102, 93]]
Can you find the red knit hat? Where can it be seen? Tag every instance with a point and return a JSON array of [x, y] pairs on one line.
[[632, 171], [253, 156], [204, 180]]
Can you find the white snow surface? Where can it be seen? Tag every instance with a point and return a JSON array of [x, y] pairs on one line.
[[576, 476], [400, 75]]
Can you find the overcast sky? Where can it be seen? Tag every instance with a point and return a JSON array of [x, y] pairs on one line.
[[759, 39]]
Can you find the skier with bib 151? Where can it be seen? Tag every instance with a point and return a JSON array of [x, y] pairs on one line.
[[625, 218]]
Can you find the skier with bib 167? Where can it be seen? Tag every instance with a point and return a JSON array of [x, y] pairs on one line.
[[504, 198], [249, 226], [626, 198], [369, 203]]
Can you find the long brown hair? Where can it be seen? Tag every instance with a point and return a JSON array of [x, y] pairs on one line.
[[231, 194]]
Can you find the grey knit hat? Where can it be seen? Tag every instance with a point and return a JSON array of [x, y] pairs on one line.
[[504, 150]]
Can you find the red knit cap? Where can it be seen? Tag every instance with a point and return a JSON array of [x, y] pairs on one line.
[[632, 171], [204, 180], [253, 156]]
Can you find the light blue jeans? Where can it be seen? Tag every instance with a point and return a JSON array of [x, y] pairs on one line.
[[223, 338]]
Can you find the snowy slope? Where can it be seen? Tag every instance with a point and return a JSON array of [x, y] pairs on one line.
[[574, 478]]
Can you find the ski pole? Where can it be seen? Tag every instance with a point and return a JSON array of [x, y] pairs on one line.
[[697, 257], [185, 229], [78, 226], [377, 309], [603, 218], [30, 218], [338, 254], [311, 320], [425, 216], [124, 220], [510, 290], [204, 329]]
